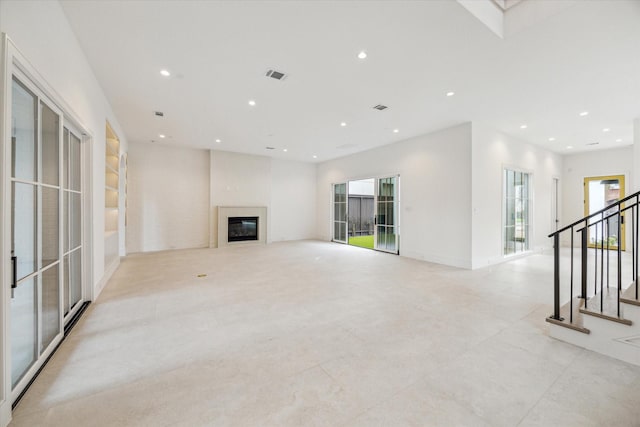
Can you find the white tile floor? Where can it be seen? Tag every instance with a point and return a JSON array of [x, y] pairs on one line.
[[314, 333]]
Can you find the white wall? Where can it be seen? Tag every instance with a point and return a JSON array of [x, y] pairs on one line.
[[286, 188], [576, 167], [293, 200], [492, 152], [435, 192], [168, 198], [41, 32]]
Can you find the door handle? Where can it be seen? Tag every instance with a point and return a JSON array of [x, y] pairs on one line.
[[14, 265], [14, 279]]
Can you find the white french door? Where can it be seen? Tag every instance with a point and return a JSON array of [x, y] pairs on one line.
[[386, 215], [35, 218], [45, 216]]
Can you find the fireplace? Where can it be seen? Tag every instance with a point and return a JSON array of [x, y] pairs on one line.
[[239, 225], [242, 228]]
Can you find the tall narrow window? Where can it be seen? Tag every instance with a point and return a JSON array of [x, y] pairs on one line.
[[516, 221]]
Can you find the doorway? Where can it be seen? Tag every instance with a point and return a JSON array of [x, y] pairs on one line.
[[599, 193], [365, 213], [44, 211]]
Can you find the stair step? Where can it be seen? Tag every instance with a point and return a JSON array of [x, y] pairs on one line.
[[629, 296], [605, 306], [577, 324]]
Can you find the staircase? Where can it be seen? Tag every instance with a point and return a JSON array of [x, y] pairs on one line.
[[596, 304]]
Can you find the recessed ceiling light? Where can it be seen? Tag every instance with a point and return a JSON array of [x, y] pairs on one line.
[[218, 141], [450, 93], [165, 73], [552, 139], [343, 124], [584, 113], [362, 54], [285, 150], [161, 135], [315, 157], [606, 130], [523, 126], [396, 130], [569, 147], [252, 102], [619, 140]]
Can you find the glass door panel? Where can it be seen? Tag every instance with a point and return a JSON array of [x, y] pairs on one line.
[[24, 129], [35, 231], [72, 223], [24, 225], [50, 305], [24, 333], [340, 213], [50, 161], [386, 238], [600, 192], [50, 226]]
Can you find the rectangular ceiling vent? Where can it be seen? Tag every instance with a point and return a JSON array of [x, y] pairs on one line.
[[159, 113], [270, 148], [593, 143], [380, 107], [278, 75]]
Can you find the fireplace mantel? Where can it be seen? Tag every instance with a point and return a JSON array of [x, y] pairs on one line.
[[224, 212]]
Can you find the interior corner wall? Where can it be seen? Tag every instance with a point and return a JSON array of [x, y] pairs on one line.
[[286, 188], [576, 167], [492, 151], [168, 198], [435, 192], [41, 32]]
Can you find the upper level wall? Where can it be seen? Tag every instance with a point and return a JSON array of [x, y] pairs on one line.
[[435, 192], [492, 152]]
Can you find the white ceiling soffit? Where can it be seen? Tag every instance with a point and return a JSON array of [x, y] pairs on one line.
[[501, 17], [578, 56]]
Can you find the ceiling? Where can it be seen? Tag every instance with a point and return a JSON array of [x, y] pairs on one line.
[[582, 58]]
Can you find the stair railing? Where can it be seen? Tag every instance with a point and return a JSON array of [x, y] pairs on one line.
[[599, 226]]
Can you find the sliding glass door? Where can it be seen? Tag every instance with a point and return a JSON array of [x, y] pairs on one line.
[[386, 227], [36, 320], [45, 219]]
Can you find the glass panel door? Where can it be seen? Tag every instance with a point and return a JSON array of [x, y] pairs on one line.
[[35, 231], [24, 241], [386, 229], [340, 213], [600, 192]]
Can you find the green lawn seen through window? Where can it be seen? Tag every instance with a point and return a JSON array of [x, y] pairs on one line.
[[362, 241]]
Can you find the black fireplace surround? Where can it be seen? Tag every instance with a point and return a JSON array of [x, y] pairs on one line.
[[242, 228]]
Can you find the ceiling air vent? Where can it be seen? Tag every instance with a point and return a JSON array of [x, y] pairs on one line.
[[278, 75], [270, 148], [158, 113], [380, 107], [593, 143]]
